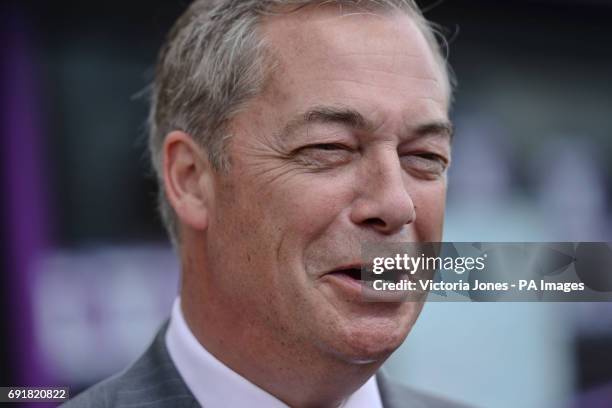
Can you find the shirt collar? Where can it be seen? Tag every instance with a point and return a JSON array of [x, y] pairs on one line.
[[215, 385]]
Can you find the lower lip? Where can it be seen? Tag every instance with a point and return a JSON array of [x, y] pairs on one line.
[[357, 290]]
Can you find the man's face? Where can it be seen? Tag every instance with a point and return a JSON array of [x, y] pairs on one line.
[[347, 144]]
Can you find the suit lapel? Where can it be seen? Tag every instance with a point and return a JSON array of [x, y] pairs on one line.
[[395, 396], [154, 382]]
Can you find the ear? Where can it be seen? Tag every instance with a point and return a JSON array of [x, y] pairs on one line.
[[188, 179]]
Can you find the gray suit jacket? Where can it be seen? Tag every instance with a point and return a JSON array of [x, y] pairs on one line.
[[153, 382]]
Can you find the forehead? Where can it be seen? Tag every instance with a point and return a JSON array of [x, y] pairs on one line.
[[341, 56], [333, 27]]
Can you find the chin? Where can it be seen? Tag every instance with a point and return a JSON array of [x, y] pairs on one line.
[[370, 342]]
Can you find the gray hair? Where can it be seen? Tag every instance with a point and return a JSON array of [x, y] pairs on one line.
[[213, 61]]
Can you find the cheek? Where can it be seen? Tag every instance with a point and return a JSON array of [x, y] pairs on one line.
[[307, 204], [272, 223]]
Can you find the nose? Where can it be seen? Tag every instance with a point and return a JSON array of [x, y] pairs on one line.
[[383, 202]]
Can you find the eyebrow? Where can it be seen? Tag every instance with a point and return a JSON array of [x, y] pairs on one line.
[[355, 120]]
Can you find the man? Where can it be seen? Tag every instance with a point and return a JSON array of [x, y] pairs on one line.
[[285, 134]]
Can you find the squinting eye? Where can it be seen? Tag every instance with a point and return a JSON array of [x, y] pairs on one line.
[[429, 163], [324, 155], [432, 157], [326, 146]]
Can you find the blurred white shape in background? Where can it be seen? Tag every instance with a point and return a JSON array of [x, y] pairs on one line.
[[97, 309], [571, 190]]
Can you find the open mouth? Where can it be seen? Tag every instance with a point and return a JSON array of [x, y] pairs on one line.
[[366, 278], [366, 286], [350, 273]]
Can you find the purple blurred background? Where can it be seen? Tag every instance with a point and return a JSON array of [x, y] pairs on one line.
[[87, 274]]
